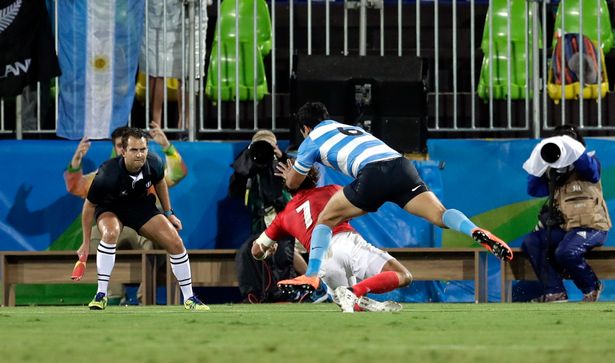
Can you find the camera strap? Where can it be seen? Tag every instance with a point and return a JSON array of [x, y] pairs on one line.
[[551, 183]]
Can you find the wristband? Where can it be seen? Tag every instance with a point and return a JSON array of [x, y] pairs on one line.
[[169, 150], [168, 213], [264, 240], [73, 170]]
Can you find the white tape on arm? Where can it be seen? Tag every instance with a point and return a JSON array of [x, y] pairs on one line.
[[264, 241]]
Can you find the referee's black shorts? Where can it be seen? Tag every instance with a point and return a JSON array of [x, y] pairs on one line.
[[132, 214], [394, 180]]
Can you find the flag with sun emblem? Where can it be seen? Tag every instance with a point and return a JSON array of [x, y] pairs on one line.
[[99, 53]]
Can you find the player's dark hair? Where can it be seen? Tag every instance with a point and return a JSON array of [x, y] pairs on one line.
[[118, 132], [311, 114], [132, 132], [310, 181], [568, 130]]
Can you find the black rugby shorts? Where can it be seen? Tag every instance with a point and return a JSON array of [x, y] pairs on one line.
[[133, 214], [394, 180]]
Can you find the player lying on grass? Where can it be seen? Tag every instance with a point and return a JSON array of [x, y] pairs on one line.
[[349, 258]]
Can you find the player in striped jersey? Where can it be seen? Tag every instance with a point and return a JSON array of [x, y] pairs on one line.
[[381, 175], [350, 257]]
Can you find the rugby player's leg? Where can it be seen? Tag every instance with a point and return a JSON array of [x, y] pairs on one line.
[[392, 276], [299, 263], [110, 228], [338, 209], [379, 272], [428, 206], [159, 230]]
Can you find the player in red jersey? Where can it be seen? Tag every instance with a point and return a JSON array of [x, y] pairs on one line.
[[349, 258]]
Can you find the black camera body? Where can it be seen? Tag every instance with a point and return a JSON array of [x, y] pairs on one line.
[[261, 153], [550, 218]]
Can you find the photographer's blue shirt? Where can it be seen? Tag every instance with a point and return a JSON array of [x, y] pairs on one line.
[[342, 147], [587, 166]]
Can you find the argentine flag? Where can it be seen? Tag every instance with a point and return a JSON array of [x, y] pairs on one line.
[[99, 52]]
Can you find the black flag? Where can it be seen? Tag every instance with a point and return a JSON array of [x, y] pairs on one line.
[[26, 41]]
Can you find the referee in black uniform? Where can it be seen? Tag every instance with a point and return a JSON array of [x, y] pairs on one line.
[[122, 194]]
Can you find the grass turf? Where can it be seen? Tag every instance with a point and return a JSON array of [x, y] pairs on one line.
[[311, 333]]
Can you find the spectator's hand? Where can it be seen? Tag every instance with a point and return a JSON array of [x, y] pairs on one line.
[[82, 149], [175, 222], [83, 251], [158, 135]]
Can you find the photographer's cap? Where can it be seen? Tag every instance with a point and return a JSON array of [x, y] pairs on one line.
[[265, 135]]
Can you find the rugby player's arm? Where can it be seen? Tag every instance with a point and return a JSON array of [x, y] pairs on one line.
[[292, 177], [263, 247], [294, 180]]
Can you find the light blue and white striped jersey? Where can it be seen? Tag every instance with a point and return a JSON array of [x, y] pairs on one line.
[[343, 147]]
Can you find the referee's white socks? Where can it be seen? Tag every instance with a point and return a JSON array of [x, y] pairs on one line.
[[105, 259], [180, 265]]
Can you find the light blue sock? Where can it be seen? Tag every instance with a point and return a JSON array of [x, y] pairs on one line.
[[321, 237], [458, 221]]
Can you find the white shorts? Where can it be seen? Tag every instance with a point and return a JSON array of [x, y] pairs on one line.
[[351, 259]]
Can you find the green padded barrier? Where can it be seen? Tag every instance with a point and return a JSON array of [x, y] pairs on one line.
[[591, 13]]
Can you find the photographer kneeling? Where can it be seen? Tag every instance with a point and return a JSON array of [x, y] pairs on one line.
[[573, 220]]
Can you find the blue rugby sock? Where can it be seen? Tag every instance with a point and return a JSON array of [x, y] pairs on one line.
[[458, 221], [321, 237]]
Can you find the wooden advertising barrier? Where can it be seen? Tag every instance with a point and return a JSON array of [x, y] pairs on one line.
[[55, 267], [217, 267]]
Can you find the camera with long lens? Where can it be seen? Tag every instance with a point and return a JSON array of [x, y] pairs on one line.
[[261, 153], [550, 152]]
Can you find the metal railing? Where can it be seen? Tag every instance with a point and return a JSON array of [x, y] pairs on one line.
[[202, 116]]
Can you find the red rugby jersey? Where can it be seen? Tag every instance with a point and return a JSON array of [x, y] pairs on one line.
[[301, 213]]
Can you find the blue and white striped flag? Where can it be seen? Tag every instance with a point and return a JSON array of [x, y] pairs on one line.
[[99, 53]]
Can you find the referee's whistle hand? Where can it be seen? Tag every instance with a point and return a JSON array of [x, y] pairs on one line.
[[175, 222]]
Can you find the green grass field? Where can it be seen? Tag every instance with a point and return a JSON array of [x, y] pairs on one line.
[[520, 333]]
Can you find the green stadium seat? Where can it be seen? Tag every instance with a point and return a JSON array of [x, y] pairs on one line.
[[591, 13], [245, 58], [500, 73], [246, 73], [500, 23], [518, 58]]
